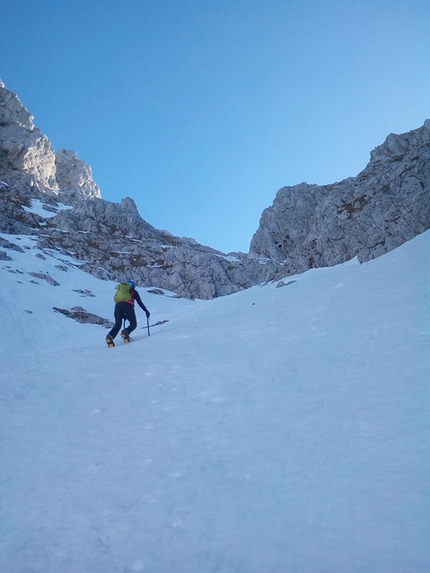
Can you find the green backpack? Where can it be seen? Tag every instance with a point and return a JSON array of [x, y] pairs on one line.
[[122, 292]]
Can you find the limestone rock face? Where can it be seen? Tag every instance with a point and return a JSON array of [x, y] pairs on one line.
[[74, 176], [24, 150], [12, 111], [28, 163], [366, 216]]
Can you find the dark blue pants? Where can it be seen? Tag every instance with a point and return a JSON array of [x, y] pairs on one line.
[[124, 310]]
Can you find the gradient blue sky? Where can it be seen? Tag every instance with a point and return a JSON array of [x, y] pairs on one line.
[[201, 110]]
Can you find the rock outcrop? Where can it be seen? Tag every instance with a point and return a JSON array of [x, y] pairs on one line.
[[28, 163], [26, 155], [74, 177], [365, 216]]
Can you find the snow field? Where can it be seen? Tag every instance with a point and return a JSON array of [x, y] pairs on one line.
[[278, 429]]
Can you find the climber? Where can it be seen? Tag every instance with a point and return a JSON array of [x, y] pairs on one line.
[[124, 298]]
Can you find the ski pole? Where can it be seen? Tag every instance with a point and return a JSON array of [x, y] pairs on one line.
[[147, 324]]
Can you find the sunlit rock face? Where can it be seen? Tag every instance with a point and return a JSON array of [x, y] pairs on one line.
[[366, 216], [28, 161]]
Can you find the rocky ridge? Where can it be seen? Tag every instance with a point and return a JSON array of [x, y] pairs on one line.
[[307, 226], [109, 240]]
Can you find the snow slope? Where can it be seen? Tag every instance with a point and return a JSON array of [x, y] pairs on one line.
[[275, 430]]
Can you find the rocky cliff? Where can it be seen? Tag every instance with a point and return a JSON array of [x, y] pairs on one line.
[[28, 163], [109, 240], [307, 226], [365, 216]]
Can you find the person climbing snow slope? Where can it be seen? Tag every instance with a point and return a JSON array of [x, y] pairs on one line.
[[125, 297]]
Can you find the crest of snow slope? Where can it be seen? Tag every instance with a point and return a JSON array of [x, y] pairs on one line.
[[276, 430]]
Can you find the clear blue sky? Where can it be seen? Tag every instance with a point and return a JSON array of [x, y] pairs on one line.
[[200, 110]]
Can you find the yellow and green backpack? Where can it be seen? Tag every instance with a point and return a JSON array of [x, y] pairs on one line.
[[123, 292]]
